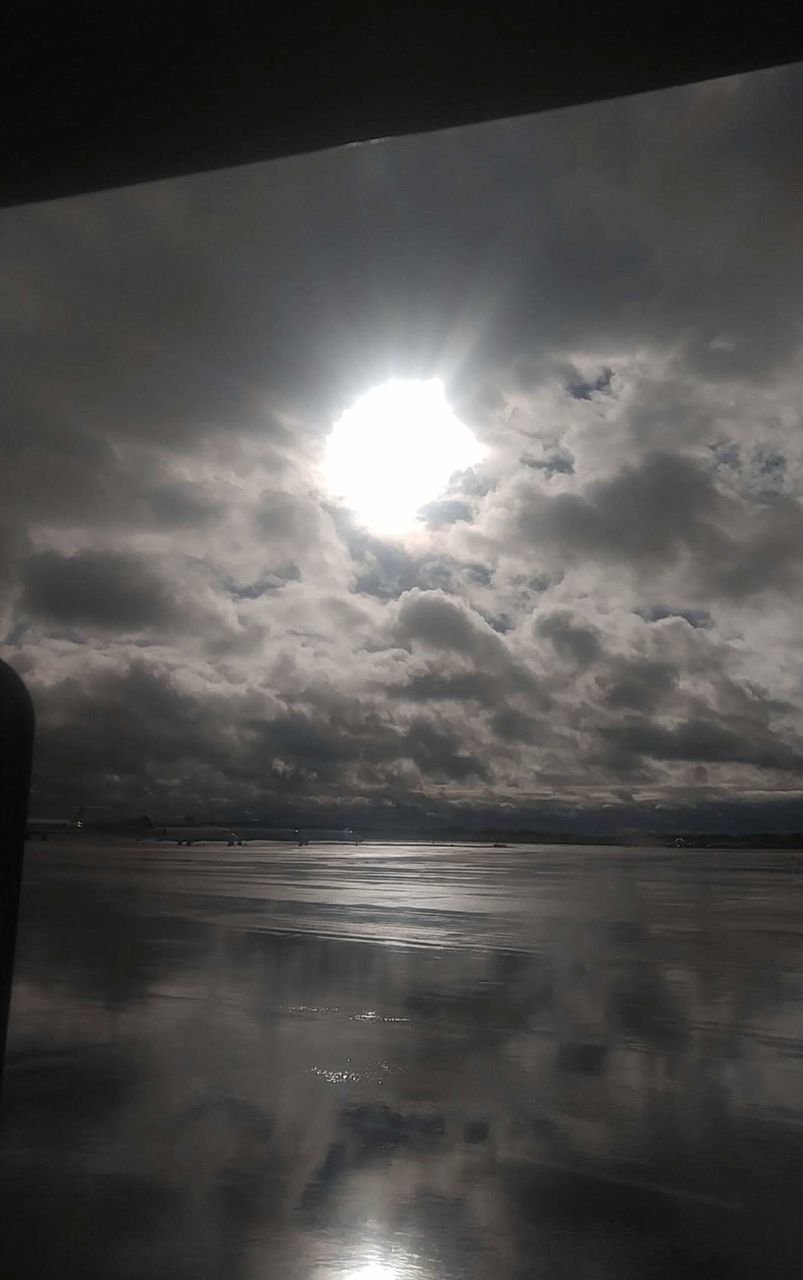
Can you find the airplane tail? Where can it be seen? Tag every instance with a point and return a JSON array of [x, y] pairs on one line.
[[75, 820]]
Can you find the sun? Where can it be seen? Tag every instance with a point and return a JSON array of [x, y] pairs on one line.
[[394, 450]]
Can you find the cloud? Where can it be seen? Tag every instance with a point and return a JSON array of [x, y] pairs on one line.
[[582, 390], [432, 618], [648, 512], [560, 462], [286, 517], [513, 726], [437, 686], [666, 514], [185, 504], [694, 617], [104, 589], [702, 740], [447, 511], [640, 684], [607, 604], [439, 754], [579, 644]]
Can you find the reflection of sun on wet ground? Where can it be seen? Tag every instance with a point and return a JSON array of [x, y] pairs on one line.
[[373, 1271], [375, 1265], [370, 1261], [593, 1053]]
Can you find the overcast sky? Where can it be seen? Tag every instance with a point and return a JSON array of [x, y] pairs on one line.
[[603, 617]]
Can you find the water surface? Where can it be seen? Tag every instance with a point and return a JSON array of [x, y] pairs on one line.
[[404, 1063]]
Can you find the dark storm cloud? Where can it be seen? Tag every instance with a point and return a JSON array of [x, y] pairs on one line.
[[147, 336], [704, 741], [611, 295], [466, 660], [514, 726], [184, 504], [770, 556], [286, 516], [439, 754], [159, 737], [432, 618], [645, 513], [578, 643], [104, 589], [435, 686], [682, 180], [144, 729], [155, 737], [667, 507], [439, 683], [14, 543], [639, 685], [312, 743], [69, 479]]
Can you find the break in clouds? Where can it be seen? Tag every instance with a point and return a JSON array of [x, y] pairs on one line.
[[602, 617]]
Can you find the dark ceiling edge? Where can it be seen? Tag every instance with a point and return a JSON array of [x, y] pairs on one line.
[[140, 97]]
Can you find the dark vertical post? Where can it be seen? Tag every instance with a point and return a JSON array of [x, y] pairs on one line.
[[16, 747]]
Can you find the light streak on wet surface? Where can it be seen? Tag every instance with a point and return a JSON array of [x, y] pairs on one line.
[[404, 1063]]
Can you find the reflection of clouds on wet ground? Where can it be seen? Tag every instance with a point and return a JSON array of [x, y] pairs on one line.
[[564, 1063]]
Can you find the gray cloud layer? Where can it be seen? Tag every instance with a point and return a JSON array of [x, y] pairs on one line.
[[607, 605]]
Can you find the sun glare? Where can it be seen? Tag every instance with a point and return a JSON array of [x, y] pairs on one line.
[[373, 1271], [394, 450]]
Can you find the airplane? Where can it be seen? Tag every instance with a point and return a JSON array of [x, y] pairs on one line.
[[299, 835], [289, 835], [320, 835], [190, 832], [43, 827], [193, 833]]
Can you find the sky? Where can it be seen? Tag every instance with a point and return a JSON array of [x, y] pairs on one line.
[[596, 625]]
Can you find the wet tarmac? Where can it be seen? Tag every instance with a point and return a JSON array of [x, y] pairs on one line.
[[404, 1063]]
